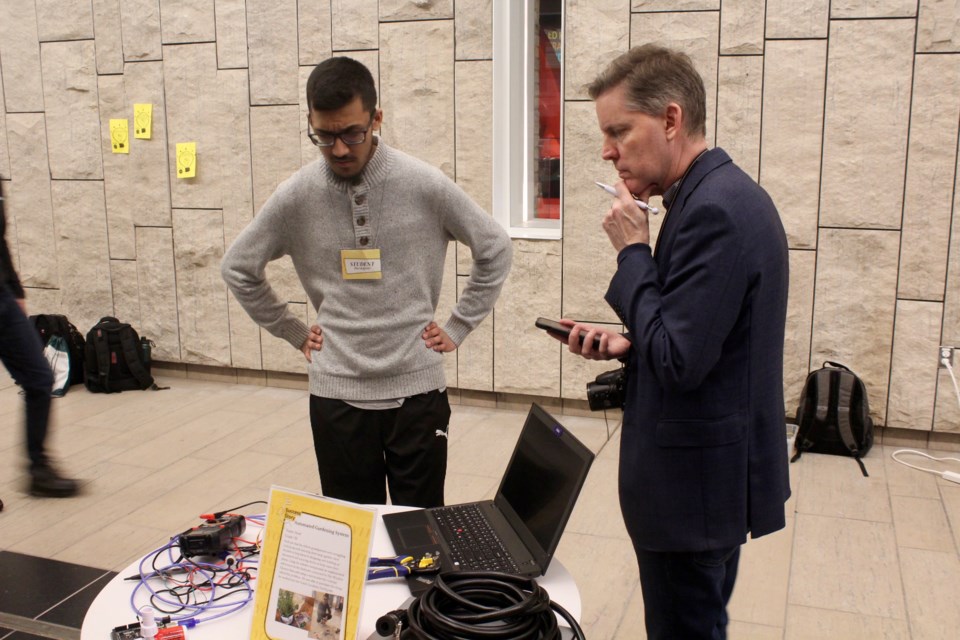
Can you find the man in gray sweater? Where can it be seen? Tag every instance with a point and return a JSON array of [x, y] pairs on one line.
[[367, 228]]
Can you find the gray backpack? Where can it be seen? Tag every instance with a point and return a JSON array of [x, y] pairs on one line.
[[834, 415]]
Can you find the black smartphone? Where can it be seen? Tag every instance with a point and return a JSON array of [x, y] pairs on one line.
[[554, 327]]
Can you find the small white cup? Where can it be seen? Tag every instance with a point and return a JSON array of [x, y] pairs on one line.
[[791, 438]]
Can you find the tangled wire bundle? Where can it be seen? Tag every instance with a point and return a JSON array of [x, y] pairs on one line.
[[485, 605]]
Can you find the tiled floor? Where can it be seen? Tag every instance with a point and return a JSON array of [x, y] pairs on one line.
[[861, 557]]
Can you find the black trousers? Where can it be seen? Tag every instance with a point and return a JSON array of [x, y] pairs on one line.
[[362, 451], [685, 595], [22, 354]]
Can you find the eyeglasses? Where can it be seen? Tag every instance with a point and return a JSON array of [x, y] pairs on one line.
[[349, 137]]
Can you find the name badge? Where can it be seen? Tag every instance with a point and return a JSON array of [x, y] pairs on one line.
[[360, 264]]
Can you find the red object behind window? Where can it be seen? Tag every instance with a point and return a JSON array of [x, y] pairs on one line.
[[548, 200]]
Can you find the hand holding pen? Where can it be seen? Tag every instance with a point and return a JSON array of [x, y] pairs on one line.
[[640, 203], [624, 225]]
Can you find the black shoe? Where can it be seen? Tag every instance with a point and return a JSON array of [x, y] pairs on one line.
[[48, 483]]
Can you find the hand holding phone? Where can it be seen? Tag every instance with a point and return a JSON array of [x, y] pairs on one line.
[[555, 328]]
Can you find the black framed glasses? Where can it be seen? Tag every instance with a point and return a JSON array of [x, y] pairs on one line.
[[349, 137]]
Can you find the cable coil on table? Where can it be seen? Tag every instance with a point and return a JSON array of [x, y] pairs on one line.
[[479, 605]]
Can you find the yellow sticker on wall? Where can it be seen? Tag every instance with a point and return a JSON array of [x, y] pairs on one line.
[[142, 121], [119, 135], [186, 159]]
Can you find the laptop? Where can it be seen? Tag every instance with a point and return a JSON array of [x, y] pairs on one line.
[[527, 516]]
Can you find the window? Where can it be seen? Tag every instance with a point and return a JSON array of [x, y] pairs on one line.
[[527, 116]]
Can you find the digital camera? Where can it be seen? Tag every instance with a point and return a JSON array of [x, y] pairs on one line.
[[608, 390]]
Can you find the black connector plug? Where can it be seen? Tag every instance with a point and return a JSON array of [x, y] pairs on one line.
[[388, 623], [213, 537]]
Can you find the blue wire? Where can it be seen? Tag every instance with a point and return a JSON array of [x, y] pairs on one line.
[[196, 608], [193, 609]]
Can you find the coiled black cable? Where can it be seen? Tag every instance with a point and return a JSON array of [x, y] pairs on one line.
[[485, 605]]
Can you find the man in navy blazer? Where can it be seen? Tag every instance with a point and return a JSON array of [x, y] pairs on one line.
[[702, 458]]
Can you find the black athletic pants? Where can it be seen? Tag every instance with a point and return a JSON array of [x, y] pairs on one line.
[[361, 451]]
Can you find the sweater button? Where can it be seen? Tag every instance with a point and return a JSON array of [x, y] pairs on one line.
[[360, 198], [364, 241], [361, 221]]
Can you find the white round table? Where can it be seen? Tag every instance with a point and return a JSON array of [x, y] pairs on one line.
[[111, 608]]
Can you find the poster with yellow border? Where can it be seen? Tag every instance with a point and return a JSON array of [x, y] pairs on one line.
[[313, 567]]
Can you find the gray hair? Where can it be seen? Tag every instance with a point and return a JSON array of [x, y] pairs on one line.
[[655, 76]]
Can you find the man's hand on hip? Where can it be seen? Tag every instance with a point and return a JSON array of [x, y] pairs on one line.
[[314, 342], [437, 339]]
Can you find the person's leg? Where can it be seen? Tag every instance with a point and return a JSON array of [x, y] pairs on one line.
[[415, 447], [685, 595], [730, 577], [349, 454], [22, 354]]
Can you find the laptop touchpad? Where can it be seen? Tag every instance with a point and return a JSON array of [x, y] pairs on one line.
[[416, 536]]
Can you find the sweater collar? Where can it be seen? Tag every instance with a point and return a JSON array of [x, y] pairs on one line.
[[373, 173]]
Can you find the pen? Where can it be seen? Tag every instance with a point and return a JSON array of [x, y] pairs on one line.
[[640, 203]]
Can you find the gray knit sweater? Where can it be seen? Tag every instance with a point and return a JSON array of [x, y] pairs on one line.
[[372, 348]]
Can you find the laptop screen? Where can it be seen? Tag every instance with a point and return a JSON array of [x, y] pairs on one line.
[[543, 480]]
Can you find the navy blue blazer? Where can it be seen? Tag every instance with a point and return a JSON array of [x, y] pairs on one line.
[[703, 457]]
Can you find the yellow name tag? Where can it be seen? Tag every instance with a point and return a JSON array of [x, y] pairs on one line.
[[360, 264]]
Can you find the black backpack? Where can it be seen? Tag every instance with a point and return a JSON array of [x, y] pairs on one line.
[[50, 325], [117, 359], [834, 415]]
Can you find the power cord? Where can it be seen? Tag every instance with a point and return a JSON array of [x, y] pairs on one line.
[[489, 605], [945, 361], [606, 421], [952, 476]]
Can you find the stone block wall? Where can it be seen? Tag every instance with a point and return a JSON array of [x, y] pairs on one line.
[[845, 111]]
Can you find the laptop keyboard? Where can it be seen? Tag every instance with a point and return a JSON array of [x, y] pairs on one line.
[[474, 545]]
